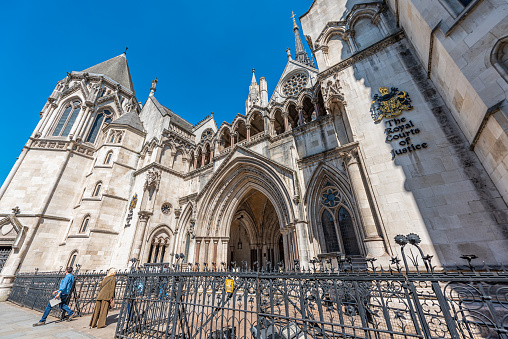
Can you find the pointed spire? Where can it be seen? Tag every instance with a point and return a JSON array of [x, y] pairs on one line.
[[300, 54], [253, 81], [116, 69]]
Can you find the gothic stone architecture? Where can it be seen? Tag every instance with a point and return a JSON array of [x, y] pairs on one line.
[[399, 127]]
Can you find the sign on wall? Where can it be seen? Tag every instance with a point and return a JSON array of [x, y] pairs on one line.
[[389, 105]]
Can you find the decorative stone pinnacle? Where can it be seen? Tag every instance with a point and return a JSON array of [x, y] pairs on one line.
[[154, 86]]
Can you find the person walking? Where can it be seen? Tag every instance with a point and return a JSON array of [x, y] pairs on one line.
[[105, 300], [61, 294]]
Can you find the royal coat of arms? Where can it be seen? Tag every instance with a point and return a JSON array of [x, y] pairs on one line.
[[389, 104]]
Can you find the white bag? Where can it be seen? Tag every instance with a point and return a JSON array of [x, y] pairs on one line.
[[53, 302]]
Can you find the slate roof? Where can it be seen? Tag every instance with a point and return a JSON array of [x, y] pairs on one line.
[[115, 68], [130, 119], [175, 118]]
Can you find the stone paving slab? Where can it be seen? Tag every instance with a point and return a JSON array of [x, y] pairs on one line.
[[16, 322]]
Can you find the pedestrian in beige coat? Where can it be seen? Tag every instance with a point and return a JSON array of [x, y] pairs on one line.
[[105, 300]]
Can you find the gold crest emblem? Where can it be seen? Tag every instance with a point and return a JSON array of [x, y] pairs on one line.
[[389, 104], [134, 201]]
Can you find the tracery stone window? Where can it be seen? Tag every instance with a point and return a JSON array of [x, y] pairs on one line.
[[295, 84], [67, 119], [207, 134], [166, 208], [338, 227], [84, 224], [103, 116]]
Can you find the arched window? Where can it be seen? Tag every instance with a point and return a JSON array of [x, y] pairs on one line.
[[72, 258], [347, 232], [84, 224], [112, 139], [97, 189], [67, 119], [336, 222], [329, 232], [499, 57], [107, 160], [104, 116]]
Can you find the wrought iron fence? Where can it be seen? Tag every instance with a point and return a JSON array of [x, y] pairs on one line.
[[34, 290], [407, 300], [4, 254]]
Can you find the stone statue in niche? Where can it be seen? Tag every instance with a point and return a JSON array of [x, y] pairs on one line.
[[153, 178]]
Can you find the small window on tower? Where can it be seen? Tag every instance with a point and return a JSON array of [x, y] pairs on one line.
[[108, 157], [84, 224], [97, 189]]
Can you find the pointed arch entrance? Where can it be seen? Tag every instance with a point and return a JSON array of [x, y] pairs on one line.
[[222, 215], [255, 233]]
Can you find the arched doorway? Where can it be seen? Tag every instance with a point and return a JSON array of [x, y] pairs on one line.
[[254, 239]]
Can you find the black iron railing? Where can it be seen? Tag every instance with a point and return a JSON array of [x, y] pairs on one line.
[[34, 290], [331, 299]]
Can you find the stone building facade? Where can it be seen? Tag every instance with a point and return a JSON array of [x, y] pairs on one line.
[[399, 127]]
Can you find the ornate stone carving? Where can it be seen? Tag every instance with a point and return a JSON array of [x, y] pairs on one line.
[[153, 178], [332, 89]]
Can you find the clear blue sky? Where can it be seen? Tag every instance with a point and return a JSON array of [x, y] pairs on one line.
[[202, 53]]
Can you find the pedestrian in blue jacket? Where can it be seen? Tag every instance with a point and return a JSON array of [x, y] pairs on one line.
[[62, 294]]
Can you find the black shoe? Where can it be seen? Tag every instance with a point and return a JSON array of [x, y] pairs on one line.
[[72, 316], [40, 323]]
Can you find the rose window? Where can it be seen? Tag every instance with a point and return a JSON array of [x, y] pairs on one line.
[[295, 84], [330, 197], [166, 208]]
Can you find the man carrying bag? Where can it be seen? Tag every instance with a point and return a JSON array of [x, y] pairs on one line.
[[60, 298]]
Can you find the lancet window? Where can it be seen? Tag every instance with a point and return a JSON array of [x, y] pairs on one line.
[[67, 119], [103, 116], [338, 227]]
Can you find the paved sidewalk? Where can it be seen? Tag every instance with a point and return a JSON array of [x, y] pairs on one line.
[[16, 322]]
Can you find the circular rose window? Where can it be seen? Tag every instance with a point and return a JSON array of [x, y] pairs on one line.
[[166, 208], [295, 84]]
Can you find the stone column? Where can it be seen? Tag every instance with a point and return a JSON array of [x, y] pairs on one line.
[[302, 241], [373, 242], [214, 255], [195, 161], [139, 235], [300, 115], [272, 131], [81, 117], [286, 122], [225, 248], [203, 159], [248, 132], [316, 106], [232, 140], [198, 247], [49, 120]]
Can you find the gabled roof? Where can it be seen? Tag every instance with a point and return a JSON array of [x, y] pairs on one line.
[[116, 69], [129, 119], [175, 118]]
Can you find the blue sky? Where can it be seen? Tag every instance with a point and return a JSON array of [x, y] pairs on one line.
[[202, 53]]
